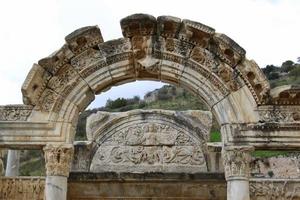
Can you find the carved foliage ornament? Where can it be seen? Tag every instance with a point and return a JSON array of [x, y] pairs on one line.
[[236, 162], [58, 159]]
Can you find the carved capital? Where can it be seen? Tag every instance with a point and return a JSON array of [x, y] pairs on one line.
[[58, 159], [236, 161]]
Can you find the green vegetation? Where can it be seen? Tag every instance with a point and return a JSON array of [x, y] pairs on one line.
[[286, 74], [32, 163], [33, 167], [215, 136]]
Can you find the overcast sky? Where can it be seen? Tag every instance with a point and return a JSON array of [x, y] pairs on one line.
[[269, 30]]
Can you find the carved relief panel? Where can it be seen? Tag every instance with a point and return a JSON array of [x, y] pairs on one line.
[[149, 147]]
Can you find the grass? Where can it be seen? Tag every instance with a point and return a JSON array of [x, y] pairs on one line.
[[215, 136]]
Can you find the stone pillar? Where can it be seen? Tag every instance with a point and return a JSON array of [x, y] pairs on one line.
[[236, 160], [13, 163], [58, 162]]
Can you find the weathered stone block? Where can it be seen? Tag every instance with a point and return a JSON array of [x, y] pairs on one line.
[[83, 38], [138, 24], [34, 84]]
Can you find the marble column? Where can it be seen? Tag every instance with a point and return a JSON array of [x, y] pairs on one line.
[[236, 160], [13, 163], [58, 162]]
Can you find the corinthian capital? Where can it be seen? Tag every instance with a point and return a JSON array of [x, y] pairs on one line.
[[58, 159], [236, 160]]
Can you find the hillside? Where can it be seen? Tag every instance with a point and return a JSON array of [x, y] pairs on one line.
[[168, 97], [286, 74]]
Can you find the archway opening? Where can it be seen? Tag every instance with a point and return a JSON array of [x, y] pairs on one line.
[[145, 95]]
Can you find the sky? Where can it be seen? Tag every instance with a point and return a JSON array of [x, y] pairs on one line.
[[269, 30]]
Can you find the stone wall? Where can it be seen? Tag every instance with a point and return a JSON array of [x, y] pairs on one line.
[[146, 186], [20, 188], [200, 186], [285, 166]]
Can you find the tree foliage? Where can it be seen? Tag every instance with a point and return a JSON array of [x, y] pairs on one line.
[[287, 66]]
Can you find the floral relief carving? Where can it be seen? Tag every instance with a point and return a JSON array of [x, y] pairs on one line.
[[85, 59], [204, 57], [66, 77]]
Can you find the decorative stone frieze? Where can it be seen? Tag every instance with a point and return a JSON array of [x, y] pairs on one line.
[[15, 112], [285, 95], [58, 159], [281, 114], [236, 161]]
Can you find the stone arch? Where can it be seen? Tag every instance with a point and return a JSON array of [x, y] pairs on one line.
[[167, 49]]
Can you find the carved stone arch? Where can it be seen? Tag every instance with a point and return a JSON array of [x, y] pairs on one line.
[[167, 49]]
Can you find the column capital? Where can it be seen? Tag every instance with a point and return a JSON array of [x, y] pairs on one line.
[[236, 160], [58, 159]]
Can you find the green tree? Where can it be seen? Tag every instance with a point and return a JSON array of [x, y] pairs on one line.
[[118, 103], [295, 72], [271, 71], [273, 76], [287, 66], [269, 68]]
